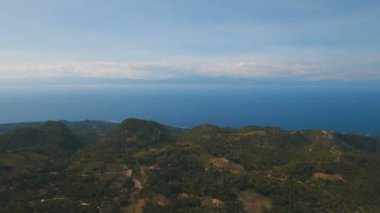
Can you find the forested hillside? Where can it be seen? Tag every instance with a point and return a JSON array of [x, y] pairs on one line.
[[144, 166]]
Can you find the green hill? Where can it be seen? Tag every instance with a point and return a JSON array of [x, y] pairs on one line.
[[86, 127], [144, 166], [28, 149]]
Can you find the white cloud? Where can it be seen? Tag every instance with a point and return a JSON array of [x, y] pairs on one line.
[[172, 70]]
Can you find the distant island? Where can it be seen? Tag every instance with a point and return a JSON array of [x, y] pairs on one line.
[[145, 166]]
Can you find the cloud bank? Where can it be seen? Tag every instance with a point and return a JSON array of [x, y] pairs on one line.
[[181, 70]]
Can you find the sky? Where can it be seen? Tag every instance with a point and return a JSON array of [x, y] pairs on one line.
[[178, 39]]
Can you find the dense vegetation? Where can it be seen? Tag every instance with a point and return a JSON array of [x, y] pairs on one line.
[[143, 166]]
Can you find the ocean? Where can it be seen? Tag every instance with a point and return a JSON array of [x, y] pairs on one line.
[[334, 107]]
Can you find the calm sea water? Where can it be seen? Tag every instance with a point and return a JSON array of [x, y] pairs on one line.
[[342, 108]]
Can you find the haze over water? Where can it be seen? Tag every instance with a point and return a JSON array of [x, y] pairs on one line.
[[342, 108]]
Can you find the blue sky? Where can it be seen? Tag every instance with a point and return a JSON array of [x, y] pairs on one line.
[[177, 39]]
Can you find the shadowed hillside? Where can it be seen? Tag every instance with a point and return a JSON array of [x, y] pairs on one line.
[[28, 150]]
